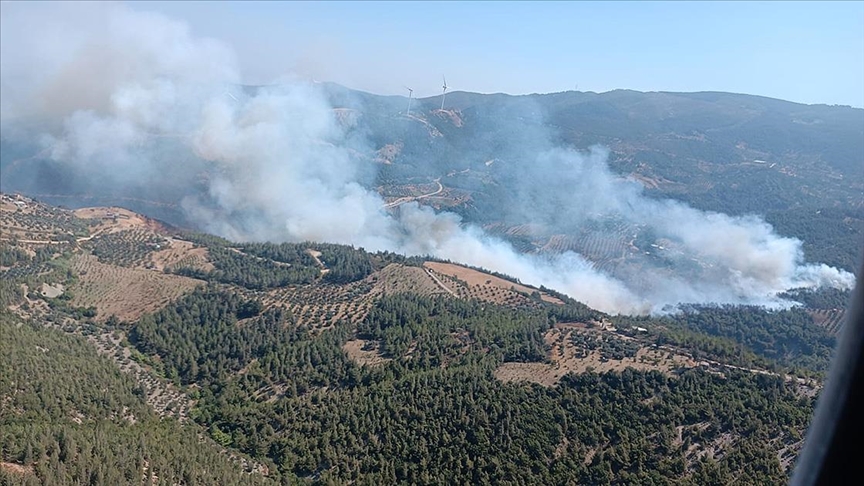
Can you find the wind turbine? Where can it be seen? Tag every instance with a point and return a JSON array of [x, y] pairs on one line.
[[410, 92], [444, 93]]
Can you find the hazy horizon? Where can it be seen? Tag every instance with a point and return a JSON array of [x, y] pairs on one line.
[[803, 52], [449, 92]]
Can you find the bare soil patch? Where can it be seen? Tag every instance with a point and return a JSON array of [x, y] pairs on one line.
[[13, 468], [364, 352], [52, 291], [316, 255], [115, 219]]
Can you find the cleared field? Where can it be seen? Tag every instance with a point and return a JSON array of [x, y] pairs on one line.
[[113, 219], [125, 292], [395, 278], [569, 357], [475, 278], [364, 353], [388, 153]]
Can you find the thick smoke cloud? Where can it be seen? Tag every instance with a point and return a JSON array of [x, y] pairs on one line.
[[135, 98]]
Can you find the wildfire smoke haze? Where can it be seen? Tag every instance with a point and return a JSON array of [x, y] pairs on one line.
[[132, 99]]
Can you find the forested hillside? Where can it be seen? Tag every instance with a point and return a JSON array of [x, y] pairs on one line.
[[69, 416], [435, 414], [314, 363]]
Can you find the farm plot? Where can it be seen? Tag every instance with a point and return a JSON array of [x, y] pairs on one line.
[[125, 292], [560, 244], [600, 246], [39, 223], [130, 248], [181, 254], [831, 319], [495, 228], [449, 198], [321, 306], [485, 292], [396, 278], [164, 397], [23, 272], [475, 278]]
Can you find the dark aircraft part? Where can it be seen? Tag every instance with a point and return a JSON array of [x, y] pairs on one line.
[[831, 452]]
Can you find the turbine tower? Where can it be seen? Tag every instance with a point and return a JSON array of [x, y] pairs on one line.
[[410, 93], [444, 93]]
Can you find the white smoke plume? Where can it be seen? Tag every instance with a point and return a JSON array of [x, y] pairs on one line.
[[138, 97]]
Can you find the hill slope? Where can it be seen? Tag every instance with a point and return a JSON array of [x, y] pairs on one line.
[[326, 363]]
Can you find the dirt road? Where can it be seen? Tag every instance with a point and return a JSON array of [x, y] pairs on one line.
[[403, 200]]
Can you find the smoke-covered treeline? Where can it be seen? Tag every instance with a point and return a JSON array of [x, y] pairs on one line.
[[132, 99]]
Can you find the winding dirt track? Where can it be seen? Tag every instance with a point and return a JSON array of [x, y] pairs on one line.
[[403, 200]]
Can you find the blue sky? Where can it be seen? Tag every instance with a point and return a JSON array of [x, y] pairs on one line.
[[798, 51]]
